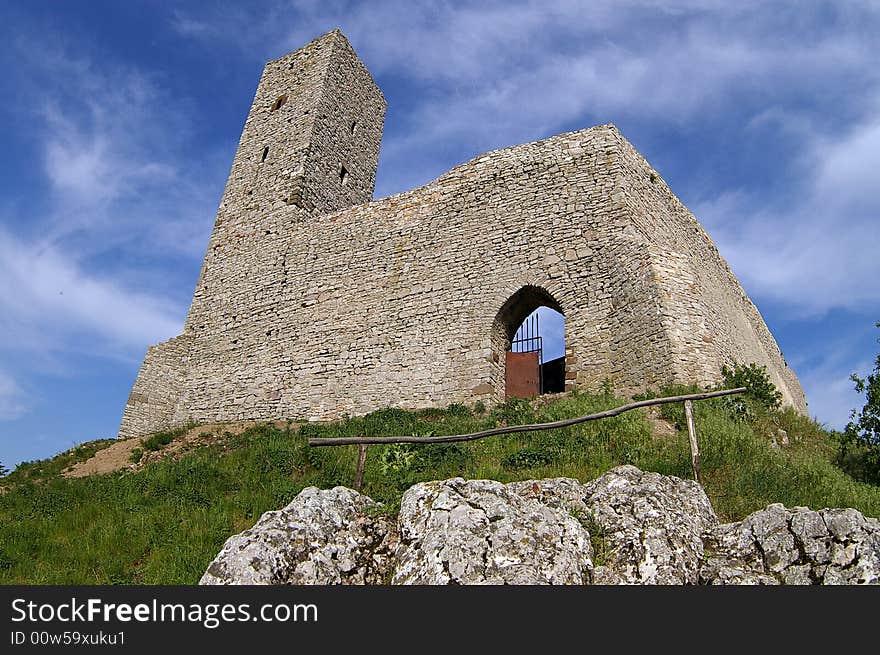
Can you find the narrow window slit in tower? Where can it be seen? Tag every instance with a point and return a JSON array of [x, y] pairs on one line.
[[353, 126], [343, 175], [279, 103], [265, 154]]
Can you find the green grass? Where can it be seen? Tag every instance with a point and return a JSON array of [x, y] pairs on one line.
[[159, 440], [164, 524]]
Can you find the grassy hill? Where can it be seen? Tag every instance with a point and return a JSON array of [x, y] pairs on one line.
[[164, 521]]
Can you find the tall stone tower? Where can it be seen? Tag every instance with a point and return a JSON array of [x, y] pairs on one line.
[[309, 146], [311, 142]]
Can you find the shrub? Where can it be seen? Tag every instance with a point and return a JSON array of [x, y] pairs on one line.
[[860, 441], [136, 455], [158, 441], [757, 382], [527, 458], [396, 457]]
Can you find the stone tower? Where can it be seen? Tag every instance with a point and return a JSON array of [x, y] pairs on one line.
[[315, 302], [310, 143], [309, 146]]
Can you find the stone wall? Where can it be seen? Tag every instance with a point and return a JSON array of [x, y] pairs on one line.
[[308, 307], [157, 392], [709, 316]]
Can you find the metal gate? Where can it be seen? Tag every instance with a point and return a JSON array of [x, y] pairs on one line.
[[523, 362]]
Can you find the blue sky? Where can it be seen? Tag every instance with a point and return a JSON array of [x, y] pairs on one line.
[[121, 120]]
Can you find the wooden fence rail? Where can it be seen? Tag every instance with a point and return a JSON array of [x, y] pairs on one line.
[[686, 399]]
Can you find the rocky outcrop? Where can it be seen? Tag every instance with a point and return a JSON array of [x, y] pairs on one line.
[[625, 527], [794, 546], [482, 532], [322, 537], [649, 526], [645, 527]]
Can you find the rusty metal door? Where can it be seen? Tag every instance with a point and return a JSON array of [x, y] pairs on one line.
[[522, 375], [522, 370]]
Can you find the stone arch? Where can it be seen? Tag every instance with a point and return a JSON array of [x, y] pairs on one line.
[[513, 312]]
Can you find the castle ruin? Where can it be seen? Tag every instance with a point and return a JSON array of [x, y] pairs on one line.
[[315, 301]]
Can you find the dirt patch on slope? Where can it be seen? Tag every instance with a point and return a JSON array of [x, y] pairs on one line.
[[117, 456], [112, 458], [660, 427]]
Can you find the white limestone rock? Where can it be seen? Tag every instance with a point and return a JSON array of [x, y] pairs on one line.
[[648, 527], [322, 537], [482, 532], [777, 545], [645, 528]]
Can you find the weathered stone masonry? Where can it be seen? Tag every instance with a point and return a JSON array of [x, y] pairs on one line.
[[314, 301]]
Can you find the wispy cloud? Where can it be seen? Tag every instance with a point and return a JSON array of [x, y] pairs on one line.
[[188, 25], [80, 269], [112, 143], [528, 63], [48, 303], [13, 402], [96, 167], [820, 251]]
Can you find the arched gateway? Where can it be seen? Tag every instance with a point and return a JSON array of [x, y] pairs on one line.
[[518, 343]]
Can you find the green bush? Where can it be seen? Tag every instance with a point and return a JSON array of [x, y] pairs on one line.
[[396, 457], [860, 441], [757, 382], [158, 441]]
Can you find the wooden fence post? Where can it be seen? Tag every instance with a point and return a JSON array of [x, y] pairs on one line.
[[362, 460], [692, 435]]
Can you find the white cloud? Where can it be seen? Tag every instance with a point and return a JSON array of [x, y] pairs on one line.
[[92, 168], [113, 145], [820, 252], [47, 301], [847, 172], [79, 268], [188, 26], [13, 402], [537, 62]]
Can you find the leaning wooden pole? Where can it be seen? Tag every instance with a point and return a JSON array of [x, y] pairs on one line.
[[347, 441], [692, 435], [362, 461]]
